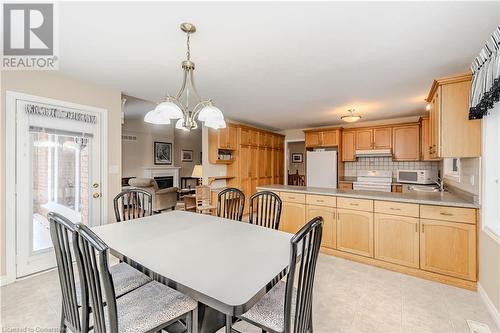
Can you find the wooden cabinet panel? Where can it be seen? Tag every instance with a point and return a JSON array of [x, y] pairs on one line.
[[406, 143], [425, 146], [329, 236], [293, 216], [313, 139], [396, 208], [455, 214], [357, 204], [348, 146], [382, 138], [321, 200], [364, 139], [293, 197], [345, 186], [231, 136], [254, 137], [355, 232], [244, 136], [397, 239], [448, 248], [330, 138]]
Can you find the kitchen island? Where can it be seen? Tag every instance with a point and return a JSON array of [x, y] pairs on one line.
[[429, 235]]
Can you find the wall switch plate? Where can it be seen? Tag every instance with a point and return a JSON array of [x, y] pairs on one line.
[[477, 327]]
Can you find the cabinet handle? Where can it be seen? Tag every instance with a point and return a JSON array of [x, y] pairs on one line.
[[353, 204], [392, 208], [291, 198], [423, 228], [446, 214], [318, 200]]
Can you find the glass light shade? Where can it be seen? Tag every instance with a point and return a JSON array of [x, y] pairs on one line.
[[210, 113], [197, 171], [350, 119], [215, 124], [156, 117], [169, 110]]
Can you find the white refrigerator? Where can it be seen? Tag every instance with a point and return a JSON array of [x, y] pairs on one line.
[[322, 169]]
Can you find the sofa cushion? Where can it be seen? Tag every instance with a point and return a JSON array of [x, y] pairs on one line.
[[141, 182]]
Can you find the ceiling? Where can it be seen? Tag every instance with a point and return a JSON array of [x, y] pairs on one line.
[[279, 65]]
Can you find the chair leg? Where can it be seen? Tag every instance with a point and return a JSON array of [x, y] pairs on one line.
[[229, 323], [189, 322], [194, 319], [62, 326]]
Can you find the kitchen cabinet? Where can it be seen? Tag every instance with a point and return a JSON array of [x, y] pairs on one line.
[[448, 248], [226, 137], [345, 185], [348, 146], [322, 138], [222, 141], [425, 144], [355, 231], [451, 133], [373, 138], [406, 143], [364, 139], [329, 237], [293, 216], [396, 239]]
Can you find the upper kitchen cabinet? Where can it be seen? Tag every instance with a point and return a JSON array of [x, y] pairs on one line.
[[406, 143], [226, 137], [373, 138], [451, 133], [322, 138], [222, 144], [348, 146]]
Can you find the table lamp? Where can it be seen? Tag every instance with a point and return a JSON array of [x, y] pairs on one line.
[[198, 173]]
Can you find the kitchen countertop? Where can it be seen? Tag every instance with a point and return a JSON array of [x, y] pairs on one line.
[[429, 198]]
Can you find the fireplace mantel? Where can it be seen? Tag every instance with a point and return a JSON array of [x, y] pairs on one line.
[[162, 171]]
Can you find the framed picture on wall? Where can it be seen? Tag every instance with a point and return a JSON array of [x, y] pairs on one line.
[[162, 153], [297, 158], [186, 155]]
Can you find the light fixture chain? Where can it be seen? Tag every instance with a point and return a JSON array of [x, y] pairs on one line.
[[188, 53]]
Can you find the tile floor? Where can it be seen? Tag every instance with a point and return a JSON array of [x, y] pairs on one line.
[[349, 297]]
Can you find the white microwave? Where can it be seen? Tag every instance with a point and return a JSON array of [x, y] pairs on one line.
[[417, 176]]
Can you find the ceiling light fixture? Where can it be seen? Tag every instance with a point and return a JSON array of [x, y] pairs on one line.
[[351, 118], [179, 107]]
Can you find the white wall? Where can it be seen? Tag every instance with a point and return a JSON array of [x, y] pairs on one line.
[[469, 175], [189, 141]]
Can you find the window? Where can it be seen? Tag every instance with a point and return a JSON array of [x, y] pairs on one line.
[[451, 169], [491, 172]]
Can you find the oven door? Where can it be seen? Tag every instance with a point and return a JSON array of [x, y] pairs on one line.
[[360, 186]]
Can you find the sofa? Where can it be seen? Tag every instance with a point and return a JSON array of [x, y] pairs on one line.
[[162, 199]]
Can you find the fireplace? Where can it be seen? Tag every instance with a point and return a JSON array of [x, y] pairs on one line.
[[164, 181]]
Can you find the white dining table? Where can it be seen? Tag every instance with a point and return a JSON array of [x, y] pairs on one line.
[[223, 264]]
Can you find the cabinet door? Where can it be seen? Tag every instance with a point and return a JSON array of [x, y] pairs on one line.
[[406, 143], [231, 135], [244, 136], [345, 186], [222, 139], [293, 217], [281, 173], [329, 237], [254, 138], [348, 146], [434, 123], [313, 139], [448, 248], [329, 138], [364, 139], [396, 239], [355, 231], [262, 165], [425, 146], [382, 138]]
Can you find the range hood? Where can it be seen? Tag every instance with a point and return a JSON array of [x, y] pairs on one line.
[[374, 153]]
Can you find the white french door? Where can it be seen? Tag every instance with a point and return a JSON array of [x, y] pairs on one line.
[[58, 169]]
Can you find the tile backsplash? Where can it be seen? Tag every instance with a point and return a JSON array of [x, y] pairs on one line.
[[384, 163]]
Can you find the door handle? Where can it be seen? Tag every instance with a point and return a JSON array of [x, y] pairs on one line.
[[96, 195], [95, 185]]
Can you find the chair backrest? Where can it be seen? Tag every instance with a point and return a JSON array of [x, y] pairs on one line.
[[132, 204], [230, 204], [93, 267], [265, 209], [304, 253], [202, 195], [296, 179], [64, 238]]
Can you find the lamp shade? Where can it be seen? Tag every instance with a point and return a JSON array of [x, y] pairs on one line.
[[169, 110], [215, 124], [210, 113], [197, 171], [155, 117]]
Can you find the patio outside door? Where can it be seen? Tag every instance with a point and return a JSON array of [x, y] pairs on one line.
[[58, 169]]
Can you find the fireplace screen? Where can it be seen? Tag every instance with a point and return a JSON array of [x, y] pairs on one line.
[[164, 182]]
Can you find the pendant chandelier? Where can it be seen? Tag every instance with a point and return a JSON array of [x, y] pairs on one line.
[[187, 106], [351, 118]]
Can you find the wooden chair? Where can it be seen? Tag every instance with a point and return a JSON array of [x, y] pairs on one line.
[[203, 195], [132, 203], [265, 209], [230, 204], [149, 308], [294, 314], [75, 295], [296, 179]]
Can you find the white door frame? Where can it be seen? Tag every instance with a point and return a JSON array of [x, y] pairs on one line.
[[287, 158], [10, 170]]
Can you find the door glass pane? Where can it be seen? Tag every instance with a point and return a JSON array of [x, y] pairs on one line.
[[60, 180]]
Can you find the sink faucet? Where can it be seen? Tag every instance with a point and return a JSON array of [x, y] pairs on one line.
[[440, 183]]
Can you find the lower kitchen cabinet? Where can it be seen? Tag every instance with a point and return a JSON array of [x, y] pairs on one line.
[[397, 239], [329, 236], [448, 248], [293, 216], [355, 231]]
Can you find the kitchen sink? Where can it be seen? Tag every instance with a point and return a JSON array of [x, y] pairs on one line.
[[424, 188]]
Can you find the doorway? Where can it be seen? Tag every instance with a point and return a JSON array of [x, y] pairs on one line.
[[58, 160], [296, 163]]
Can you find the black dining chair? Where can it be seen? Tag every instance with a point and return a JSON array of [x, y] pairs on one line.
[[133, 203], [149, 308], [230, 204], [74, 294], [265, 209], [286, 308]]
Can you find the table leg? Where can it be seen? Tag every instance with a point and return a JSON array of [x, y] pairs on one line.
[[229, 323]]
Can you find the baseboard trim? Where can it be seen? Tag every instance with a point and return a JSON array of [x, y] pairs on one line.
[[5, 280], [489, 304]]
